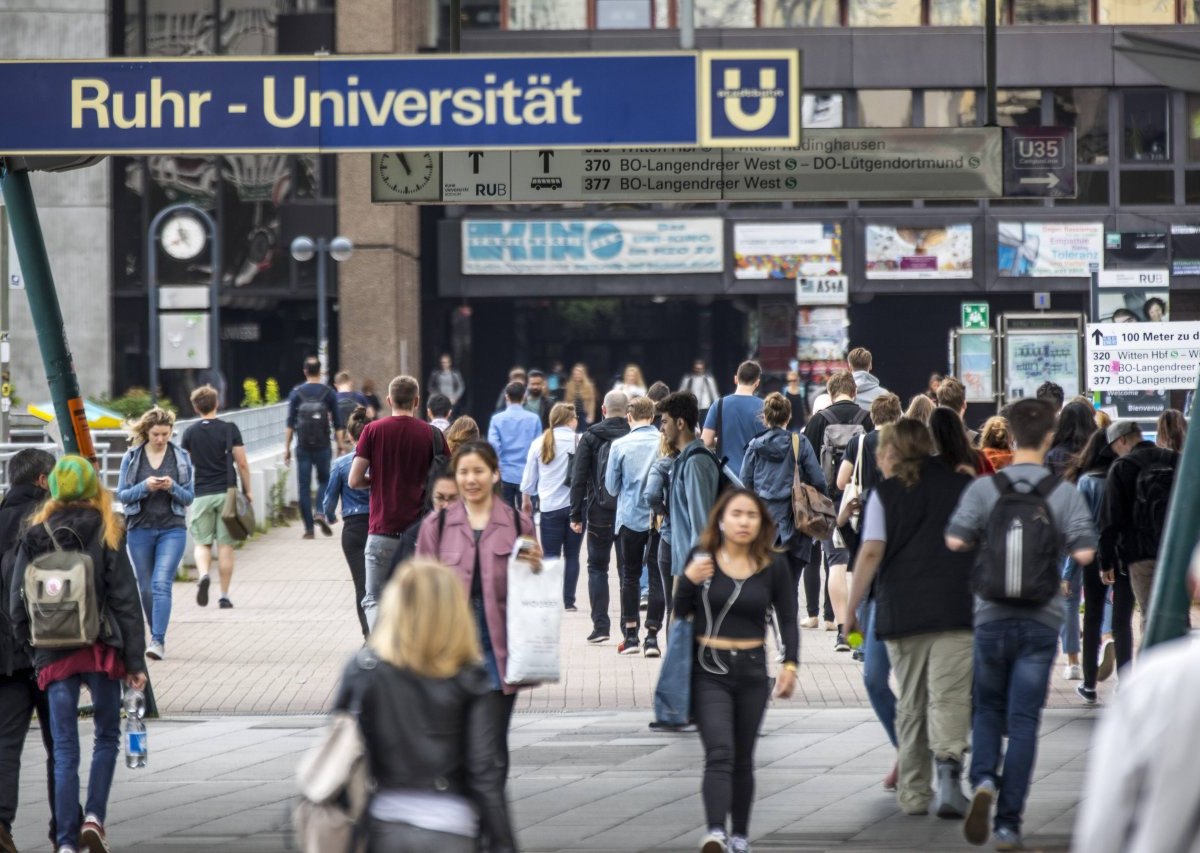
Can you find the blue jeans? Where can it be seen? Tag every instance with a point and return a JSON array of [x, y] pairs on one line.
[[306, 461], [155, 553], [64, 720], [1013, 659], [510, 493], [559, 540], [876, 669], [1070, 628]]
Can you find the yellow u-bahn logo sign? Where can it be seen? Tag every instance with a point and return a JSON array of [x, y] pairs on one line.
[[750, 97]]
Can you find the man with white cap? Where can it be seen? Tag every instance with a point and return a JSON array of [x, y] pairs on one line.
[[1132, 520], [1141, 795]]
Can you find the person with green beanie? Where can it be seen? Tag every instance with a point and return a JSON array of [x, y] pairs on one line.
[[79, 515]]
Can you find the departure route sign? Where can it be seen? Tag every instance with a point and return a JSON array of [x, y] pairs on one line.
[[828, 164], [1142, 356]]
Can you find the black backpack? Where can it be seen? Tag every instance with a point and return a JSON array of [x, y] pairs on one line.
[[604, 499], [346, 407], [1022, 552], [437, 464], [1152, 496], [312, 418]]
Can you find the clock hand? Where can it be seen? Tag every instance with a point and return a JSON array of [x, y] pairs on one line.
[[403, 158]]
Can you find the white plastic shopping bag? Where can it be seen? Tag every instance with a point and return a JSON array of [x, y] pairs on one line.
[[534, 615]]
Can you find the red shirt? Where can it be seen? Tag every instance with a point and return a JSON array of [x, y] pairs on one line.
[[98, 657], [399, 450]]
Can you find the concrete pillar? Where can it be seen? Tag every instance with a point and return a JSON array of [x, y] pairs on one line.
[[380, 286]]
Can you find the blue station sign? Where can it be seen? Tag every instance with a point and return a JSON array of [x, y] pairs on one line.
[[337, 103]]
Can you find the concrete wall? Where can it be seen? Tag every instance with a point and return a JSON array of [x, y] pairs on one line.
[[379, 288], [73, 207]]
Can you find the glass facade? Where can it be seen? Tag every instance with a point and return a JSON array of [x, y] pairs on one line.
[[951, 108], [885, 108]]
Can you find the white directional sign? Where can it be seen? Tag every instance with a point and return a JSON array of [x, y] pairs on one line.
[[877, 163], [1142, 356]]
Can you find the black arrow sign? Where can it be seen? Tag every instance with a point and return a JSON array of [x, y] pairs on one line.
[[475, 156], [1097, 337], [545, 155]]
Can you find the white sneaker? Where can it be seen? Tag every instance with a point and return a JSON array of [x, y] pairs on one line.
[[1072, 672], [155, 651], [810, 622]]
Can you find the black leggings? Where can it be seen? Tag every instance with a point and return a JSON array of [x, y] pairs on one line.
[[1094, 595], [729, 710], [354, 543], [504, 711], [1122, 618], [812, 584]]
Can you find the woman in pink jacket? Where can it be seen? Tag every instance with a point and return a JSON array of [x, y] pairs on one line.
[[475, 536]]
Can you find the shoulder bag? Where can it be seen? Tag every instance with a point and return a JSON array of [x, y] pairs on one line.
[[812, 512], [237, 514], [335, 782]]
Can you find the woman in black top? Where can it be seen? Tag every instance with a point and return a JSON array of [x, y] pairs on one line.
[[732, 579], [1076, 423]]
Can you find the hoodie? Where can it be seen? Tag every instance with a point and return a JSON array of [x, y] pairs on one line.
[[768, 471], [868, 388], [585, 479], [19, 504], [121, 624]]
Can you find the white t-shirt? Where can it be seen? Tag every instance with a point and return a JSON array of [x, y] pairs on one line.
[[874, 523]]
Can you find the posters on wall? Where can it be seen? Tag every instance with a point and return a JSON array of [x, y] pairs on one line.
[[1032, 358], [1135, 250], [1131, 296], [1049, 249], [823, 334], [593, 246], [786, 250], [975, 366], [920, 253]]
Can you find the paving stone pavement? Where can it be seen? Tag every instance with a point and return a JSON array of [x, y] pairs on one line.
[[282, 647], [583, 782]]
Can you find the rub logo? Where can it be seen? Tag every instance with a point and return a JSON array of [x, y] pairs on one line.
[[751, 98]]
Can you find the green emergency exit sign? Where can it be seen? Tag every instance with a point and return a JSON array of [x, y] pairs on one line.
[[975, 315]]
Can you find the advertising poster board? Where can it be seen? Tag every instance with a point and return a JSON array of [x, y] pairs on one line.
[[1034, 357], [974, 365], [1049, 249], [1185, 249], [920, 253], [787, 250]]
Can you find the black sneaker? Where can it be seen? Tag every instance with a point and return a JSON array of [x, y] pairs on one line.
[[857, 655], [320, 521], [202, 591], [840, 645], [630, 645], [597, 637], [1087, 694], [225, 603], [651, 649]]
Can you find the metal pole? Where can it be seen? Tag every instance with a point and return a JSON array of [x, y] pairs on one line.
[[5, 344], [47, 314], [989, 71], [455, 25], [322, 320], [687, 24], [1171, 599]]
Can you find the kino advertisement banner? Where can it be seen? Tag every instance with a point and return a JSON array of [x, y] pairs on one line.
[[339, 103], [786, 250], [592, 246], [1050, 249]]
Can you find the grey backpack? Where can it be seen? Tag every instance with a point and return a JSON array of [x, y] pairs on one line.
[[833, 443], [60, 597]]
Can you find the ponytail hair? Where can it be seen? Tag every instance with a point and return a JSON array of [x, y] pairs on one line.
[[561, 415]]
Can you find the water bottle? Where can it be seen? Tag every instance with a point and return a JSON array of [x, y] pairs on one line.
[[136, 747]]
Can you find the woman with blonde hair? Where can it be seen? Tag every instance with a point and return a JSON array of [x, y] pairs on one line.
[[923, 612], [632, 382], [995, 442], [580, 392], [155, 487], [920, 408], [429, 719], [462, 431], [79, 516], [547, 477]]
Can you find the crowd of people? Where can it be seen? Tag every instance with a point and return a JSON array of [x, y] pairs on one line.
[[953, 562]]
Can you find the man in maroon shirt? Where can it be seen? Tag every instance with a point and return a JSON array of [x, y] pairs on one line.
[[392, 459]]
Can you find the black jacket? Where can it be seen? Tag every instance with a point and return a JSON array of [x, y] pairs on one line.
[[121, 624], [1119, 543], [433, 734], [584, 475], [922, 586], [19, 504]]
